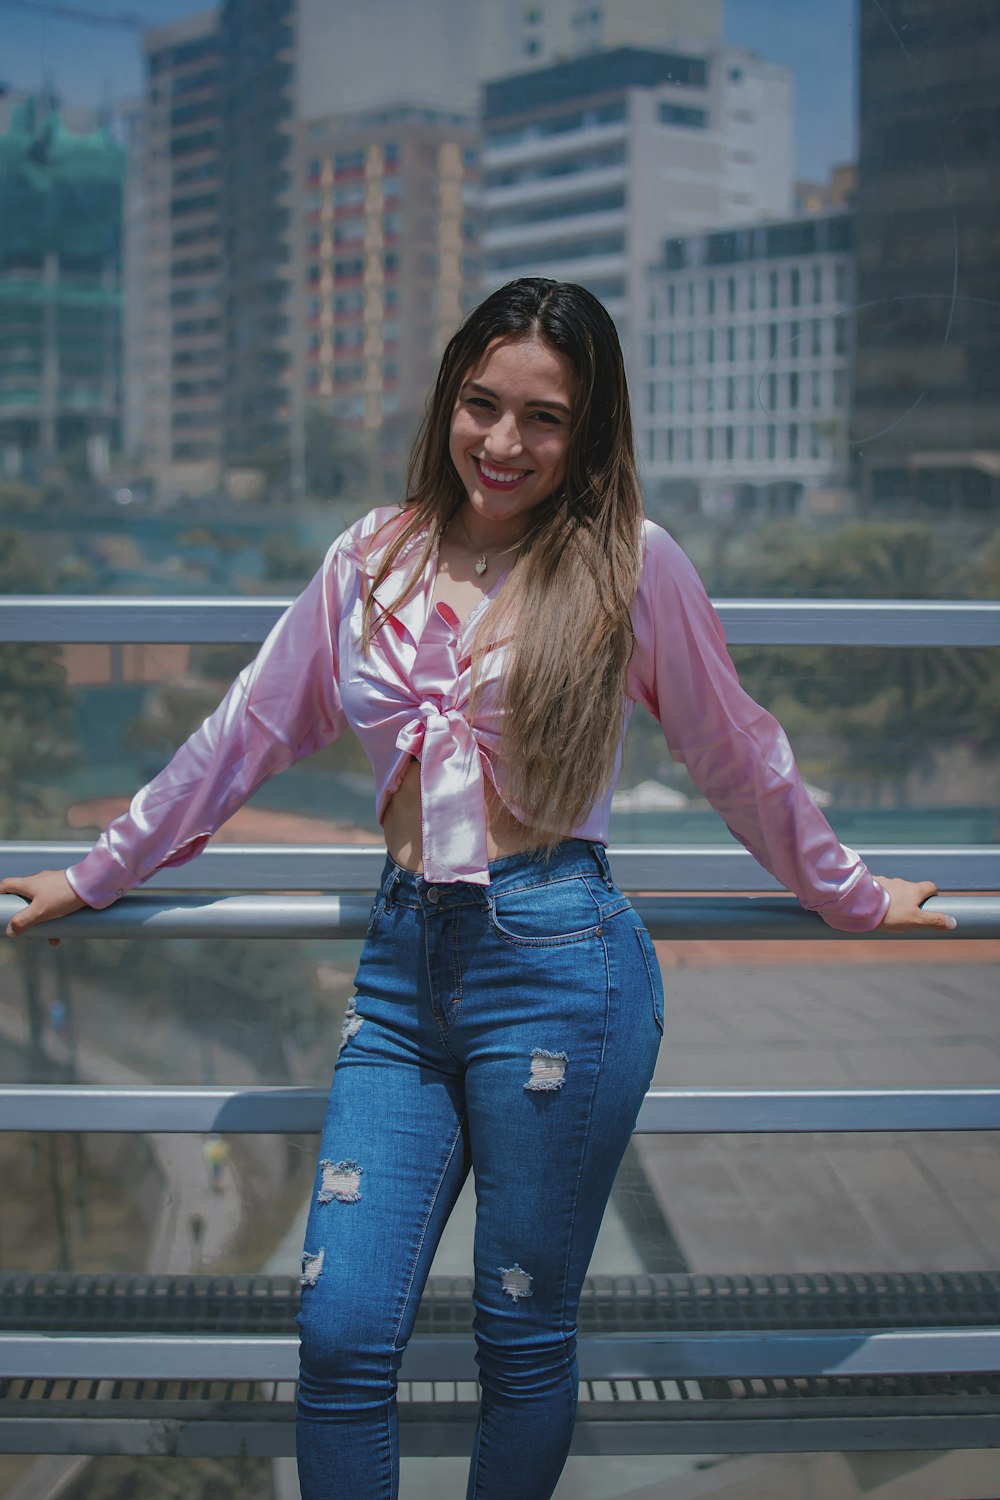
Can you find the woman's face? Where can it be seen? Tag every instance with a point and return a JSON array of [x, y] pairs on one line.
[[510, 431]]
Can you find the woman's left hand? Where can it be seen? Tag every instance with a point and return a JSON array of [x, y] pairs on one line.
[[906, 913]]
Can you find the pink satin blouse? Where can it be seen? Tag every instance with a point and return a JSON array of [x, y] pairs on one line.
[[409, 697]]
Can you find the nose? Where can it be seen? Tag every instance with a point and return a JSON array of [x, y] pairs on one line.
[[503, 441]]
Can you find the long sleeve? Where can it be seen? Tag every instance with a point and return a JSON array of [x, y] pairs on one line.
[[736, 753], [283, 706]]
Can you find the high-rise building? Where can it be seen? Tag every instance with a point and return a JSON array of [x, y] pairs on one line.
[[256, 142], [388, 230], [590, 164], [60, 293], [174, 318], [743, 402], [442, 51], [210, 240], [927, 378]]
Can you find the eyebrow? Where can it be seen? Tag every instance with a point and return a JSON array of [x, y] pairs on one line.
[[474, 385]]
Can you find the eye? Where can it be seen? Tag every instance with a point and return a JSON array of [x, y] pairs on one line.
[[479, 401]]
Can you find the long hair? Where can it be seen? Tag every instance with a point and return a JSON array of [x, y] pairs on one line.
[[564, 612]]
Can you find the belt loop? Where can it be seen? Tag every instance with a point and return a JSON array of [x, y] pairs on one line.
[[601, 860], [390, 887]]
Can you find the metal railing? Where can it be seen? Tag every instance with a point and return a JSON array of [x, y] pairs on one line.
[[735, 900]]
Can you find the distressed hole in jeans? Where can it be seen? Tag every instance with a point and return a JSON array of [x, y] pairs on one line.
[[516, 1282], [341, 1181], [352, 1023], [312, 1267], [548, 1069]]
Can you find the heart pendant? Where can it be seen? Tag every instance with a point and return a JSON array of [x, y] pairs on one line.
[[481, 566]]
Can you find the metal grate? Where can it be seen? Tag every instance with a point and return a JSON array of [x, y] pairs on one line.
[[668, 1302]]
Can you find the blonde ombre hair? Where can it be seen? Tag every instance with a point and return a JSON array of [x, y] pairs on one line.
[[564, 612]]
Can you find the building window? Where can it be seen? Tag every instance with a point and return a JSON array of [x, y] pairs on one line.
[[684, 115], [815, 441], [750, 442], [730, 393], [816, 392], [793, 338], [793, 440], [689, 349], [840, 336], [772, 340], [772, 289], [671, 300], [815, 337], [751, 292], [710, 346], [731, 293], [670, 445], [752, 342], [795, 287], [772, 391], [671, 351], [730, 444], [730, 344], [839, 388], [710, 444], [772, 440], [793, 389], [840, 282], [709, 395], [817, 279], [710, 294]]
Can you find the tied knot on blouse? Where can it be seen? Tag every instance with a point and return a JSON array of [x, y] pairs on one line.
[[440, 737]]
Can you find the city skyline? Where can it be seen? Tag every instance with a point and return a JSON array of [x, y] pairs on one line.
[[90, 65]]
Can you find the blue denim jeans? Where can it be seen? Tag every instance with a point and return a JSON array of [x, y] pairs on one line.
[[511, 1029]]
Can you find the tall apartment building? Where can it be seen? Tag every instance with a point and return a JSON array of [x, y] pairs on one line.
[[60, 291], [590, 164], [257, 144], [927, 380], [389, 266], [744, 400], [175, 329], [443, 50]]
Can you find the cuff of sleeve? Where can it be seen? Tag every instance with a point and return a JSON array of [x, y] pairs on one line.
[[99, 879], [861, 908]]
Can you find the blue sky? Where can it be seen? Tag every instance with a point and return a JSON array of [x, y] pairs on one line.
[[815, 38]]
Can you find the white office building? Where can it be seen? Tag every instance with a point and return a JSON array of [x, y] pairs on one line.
[[743, 400], [437, 54], [589, 165]]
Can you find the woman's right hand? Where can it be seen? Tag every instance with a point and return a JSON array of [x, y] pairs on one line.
[[49, 895]]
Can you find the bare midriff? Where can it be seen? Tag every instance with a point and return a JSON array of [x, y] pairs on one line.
[[401, 824]]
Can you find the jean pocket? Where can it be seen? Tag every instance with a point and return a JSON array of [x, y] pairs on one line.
[[653, 970], [543, 915]]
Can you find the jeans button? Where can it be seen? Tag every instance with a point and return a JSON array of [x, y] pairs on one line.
[[433, 895]]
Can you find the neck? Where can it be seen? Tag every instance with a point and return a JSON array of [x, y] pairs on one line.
[[486, 540]]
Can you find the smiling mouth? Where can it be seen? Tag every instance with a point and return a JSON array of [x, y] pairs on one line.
[[500, 479]]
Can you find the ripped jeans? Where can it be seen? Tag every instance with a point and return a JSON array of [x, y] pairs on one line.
[[511, 1028]]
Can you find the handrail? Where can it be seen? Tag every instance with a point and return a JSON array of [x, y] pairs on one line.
[[442, 1356], [748, 622], [753, 918], [181, 1109]]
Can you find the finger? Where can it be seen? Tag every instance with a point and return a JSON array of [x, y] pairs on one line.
[[925, 889]]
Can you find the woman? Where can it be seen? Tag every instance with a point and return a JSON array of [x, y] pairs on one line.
[[487, 642]]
